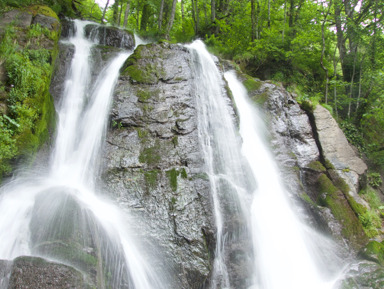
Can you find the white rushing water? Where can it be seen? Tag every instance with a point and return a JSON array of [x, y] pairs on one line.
[[246, 186], [220, 143], [282, 243], [40, 198]]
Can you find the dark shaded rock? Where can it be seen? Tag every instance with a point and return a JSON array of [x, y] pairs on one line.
[[154, 166], [68, 28], [62, 65], [33, 272], [110, 36]]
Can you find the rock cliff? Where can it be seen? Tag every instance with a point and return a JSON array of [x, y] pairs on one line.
[[153, 163]]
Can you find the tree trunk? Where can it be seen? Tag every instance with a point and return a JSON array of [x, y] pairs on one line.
[[340, 34], [269, 13], [115, 12], [182, 14], [351, 86], [121, 11], [144, 17], [213, 10], [161, 14], [138, 14], [335, 79], [253, 20], [285, 20], [171, 18], [126, 12], [359, 94], [291, 12], [105, 10], [323, 51], [195, 15]]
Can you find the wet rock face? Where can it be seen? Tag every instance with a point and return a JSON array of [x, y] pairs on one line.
[[62, 64], [34, 272], [153, 162], [110, 36], [323, 196]]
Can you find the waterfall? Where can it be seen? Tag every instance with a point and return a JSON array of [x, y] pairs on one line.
[[246, 184], [228, 173], [44, 214], [282, 242]]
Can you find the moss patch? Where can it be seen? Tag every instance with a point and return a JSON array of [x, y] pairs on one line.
[[252, 84], [317, 166], [150, 178], [333, 198], [172, 177], [374, 251], [44, 10], [140, 70], [150, 156]]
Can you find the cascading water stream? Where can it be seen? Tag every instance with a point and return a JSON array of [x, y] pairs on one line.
[[245, 185], [36, 209], [227, 173], [283, 253]]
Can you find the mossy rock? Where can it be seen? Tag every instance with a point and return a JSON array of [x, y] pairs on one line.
[[43, 10], [150, 178], [252, 84], [307, 105], [333, 198], [373, 251], [173, 175], [144, 65], [317, 166]]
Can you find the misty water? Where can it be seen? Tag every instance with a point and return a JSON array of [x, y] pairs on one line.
[[41, 208]]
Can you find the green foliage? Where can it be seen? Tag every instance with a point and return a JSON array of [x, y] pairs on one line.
[[371, 223], [353, 135], [29, 105], [373, 251], [374, 180]]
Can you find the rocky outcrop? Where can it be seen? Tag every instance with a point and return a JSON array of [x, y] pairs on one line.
[[336, 149], [33, 272], [110, 36], [297, 139], [153, 162]]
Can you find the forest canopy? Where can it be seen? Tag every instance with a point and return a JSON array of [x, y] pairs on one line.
[[325, 51]]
